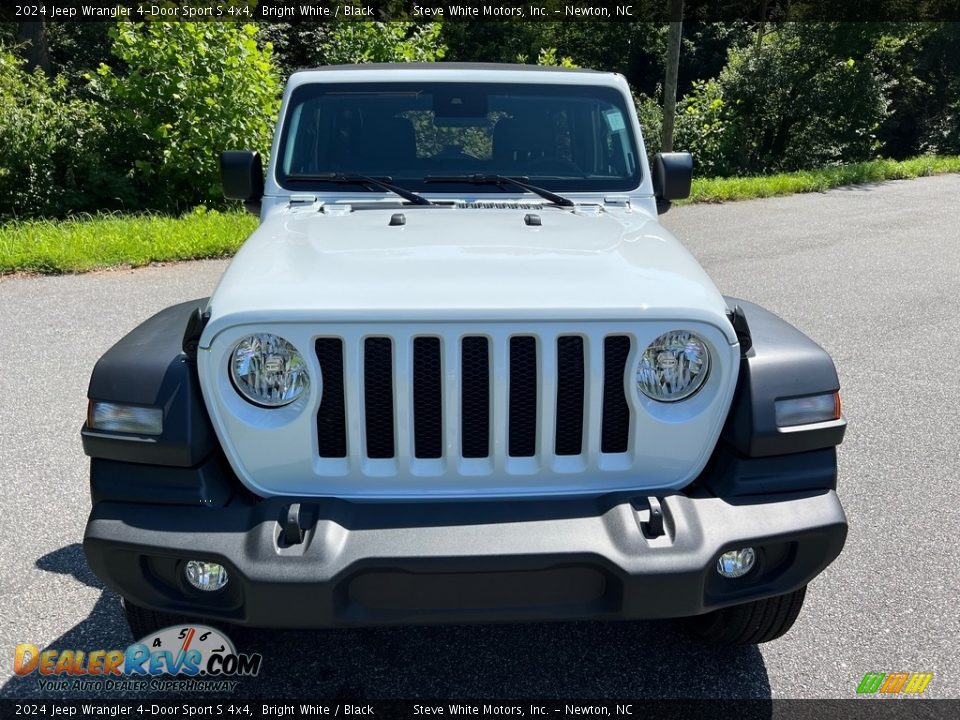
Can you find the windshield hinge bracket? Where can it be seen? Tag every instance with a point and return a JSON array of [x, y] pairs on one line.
[[617, 201]]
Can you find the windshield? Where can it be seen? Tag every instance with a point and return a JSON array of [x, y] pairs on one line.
[[559, 137]]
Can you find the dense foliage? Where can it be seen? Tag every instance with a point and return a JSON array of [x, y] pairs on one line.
[[805, 98], [133, 116], [363, 42], [49, 144], [144, 132], [187, 91]]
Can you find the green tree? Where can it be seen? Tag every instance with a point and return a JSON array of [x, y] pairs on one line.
[[634, 49], [922, 63], [650, 114], [190, 90], [702, 128], [296, 45], [32, 40], [810, 95], [548, 57], [369, 42], [79, 47], [50, 159], [469, 41]]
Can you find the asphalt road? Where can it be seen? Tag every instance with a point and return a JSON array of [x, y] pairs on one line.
[[872, 273]]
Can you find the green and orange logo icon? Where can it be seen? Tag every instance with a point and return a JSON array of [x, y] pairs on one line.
[[894, 683]]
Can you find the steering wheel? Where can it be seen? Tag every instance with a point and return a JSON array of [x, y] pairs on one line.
[[455, 152]]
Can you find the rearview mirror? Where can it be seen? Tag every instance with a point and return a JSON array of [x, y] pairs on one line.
[[672, 175], [241, 172]]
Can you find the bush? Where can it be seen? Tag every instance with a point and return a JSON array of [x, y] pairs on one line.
[[701, 128], [190, 91], [50, 162], [798, 100], [650, 114], [801, 100], [943, 137], [942, 101], [921, 61]]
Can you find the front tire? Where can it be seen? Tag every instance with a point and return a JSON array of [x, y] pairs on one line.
[[759, 621]]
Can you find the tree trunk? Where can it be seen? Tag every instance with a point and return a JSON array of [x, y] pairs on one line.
[[670, 83], [33, 36], [761, 27]]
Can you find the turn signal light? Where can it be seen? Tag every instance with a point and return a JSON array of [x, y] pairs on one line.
[[808, 410], [114, 417]]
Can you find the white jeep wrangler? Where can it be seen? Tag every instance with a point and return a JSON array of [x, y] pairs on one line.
[[461, 373]]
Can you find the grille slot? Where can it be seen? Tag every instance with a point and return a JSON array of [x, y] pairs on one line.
[[570, 395], [523, 397], [427, 398], [615, 426], [475, 397], [332, 416], [378, 394]]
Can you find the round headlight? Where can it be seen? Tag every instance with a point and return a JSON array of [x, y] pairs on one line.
[[673, 367], [267, 370]]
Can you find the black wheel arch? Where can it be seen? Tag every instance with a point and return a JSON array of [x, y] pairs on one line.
[[781, 362], [154, 365]]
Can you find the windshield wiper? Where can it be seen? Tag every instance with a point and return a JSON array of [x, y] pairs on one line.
[[384, 183], [501, 180]]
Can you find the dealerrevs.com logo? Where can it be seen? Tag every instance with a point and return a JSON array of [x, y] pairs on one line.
[[895, 683], [186, 657]]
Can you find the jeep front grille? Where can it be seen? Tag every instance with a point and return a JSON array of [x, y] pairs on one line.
[[472, 398]]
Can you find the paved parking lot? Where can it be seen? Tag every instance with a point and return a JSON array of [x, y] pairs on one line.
[[872, 273]]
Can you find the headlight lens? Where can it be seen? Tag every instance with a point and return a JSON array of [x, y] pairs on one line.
[[673, 367], [267, 370]]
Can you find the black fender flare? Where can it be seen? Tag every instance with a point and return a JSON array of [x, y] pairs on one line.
[[153, 365], [753, 455], [782, 362]]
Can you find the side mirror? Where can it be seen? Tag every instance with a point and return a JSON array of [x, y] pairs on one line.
[[672, 175], [241, 172]]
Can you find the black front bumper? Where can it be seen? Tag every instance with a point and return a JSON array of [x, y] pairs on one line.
[[363, 564]]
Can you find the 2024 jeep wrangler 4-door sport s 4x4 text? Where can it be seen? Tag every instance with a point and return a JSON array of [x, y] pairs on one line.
[[461, 373]]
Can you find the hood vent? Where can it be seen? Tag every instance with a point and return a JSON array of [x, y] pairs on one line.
[[499, 205]]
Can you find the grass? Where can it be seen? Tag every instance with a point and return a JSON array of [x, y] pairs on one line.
[[88, 243], [747, 188]]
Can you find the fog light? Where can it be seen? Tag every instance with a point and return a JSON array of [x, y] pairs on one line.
[[736, 563], [207, 576]]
